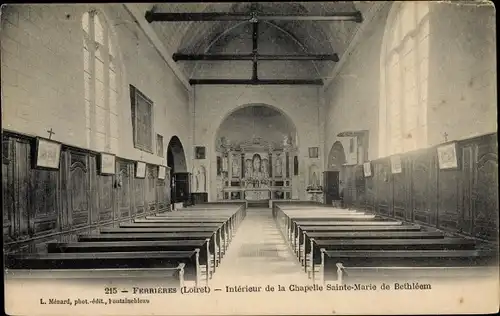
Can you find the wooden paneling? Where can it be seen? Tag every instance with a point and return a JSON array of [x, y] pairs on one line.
[[369, 202], [41, 206], [161, 194], [21, 188], [124, 192], [449, 204], [151, 177], [349, 185], [8, 190], [360, 187], [77, 191], [383, 187], [44, 216], [485, 190], [463, 200], [139, 195], [106, 198], [401, 188], [422, 188]]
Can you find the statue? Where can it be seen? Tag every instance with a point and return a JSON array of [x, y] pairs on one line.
[[202, 179], [196, 181], [314, 181], [278, 166], [257, 167], [265, 168], [285, 141], [248, 168], [235, 168]]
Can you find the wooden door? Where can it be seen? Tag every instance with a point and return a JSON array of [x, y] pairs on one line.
[[331, 180]]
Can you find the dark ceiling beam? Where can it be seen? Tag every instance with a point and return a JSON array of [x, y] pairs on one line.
[[269, 57], [256, 82], [152, 16]]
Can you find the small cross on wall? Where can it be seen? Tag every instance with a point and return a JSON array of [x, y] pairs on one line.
[[445, 135], [50, 133]]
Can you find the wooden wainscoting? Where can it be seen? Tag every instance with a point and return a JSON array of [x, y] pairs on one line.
[[40, 206], [462, 200]]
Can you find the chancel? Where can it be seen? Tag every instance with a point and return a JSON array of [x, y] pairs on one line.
[[231, 144]]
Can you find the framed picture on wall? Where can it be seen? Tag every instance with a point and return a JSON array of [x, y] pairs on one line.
[[367, 169], [313, 152], [199, 152], [107, 163], [396, 164], [162, 172], [140, 169], [48, 154], [447, 156]]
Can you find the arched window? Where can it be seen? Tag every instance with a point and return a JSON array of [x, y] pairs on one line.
[[404, 72], [100, 83]]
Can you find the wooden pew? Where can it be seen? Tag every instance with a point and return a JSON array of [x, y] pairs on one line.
[[158, 219], [172, 224], [445, 243], [168, 277], [220, 229], [218, 234], [373, 262], [108, 260], [308, 236], [206, 250], [145, 237], [237, 213], [299, 238], [294, 227], [232, 221]]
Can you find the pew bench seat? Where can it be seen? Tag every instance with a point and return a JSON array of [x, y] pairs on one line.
[[216, 245], [108, 260], [308, 238], [332, 261], [166, 277]]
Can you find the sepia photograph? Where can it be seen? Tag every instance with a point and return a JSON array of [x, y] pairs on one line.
[[250, 158]]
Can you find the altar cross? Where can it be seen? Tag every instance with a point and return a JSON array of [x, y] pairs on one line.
[[445, 136], [50, 133]]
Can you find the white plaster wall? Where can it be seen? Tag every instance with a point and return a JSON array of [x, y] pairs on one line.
[[42, 78], [299, 103], [462, 94]]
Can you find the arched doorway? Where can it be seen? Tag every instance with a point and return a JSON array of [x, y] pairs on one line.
[[176, 160], [336, 157], [334, 174], [255, 146]]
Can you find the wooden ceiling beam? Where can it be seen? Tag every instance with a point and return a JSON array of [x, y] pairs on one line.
[[152, 16], [249, 57], [256, 82]]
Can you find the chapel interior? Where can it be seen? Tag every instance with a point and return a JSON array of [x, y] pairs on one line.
[[115, 115]]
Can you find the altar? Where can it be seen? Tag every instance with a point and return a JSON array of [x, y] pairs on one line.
[[257, 194], [256, 170]]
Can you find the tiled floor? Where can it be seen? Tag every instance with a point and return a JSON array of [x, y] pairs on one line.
[[258, 252]]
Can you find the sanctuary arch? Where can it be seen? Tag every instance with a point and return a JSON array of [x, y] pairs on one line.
[[255, 147]]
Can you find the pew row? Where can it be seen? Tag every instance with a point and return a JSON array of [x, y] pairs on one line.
[[173, 277], [115, 262], [207, 254], [398, 265]]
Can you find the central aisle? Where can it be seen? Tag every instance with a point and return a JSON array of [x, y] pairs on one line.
[[259, 258], [259, 254]]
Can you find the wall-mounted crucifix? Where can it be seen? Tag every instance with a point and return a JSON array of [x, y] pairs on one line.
[[50, 133]]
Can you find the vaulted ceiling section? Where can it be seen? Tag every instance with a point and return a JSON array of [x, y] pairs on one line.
[[319, 38]]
